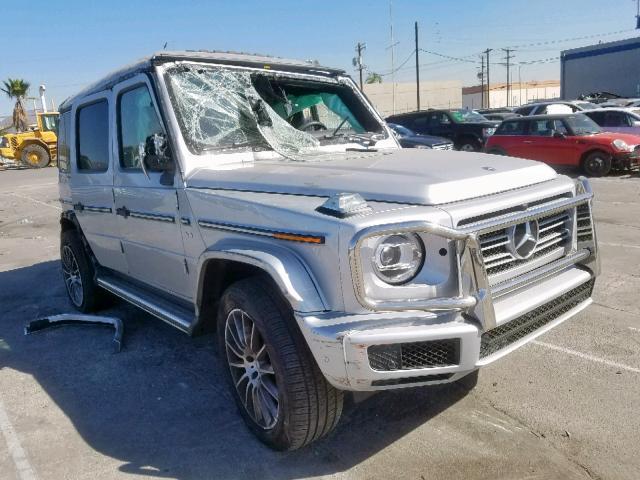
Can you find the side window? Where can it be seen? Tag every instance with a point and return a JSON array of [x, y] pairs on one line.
[[541, 128], [443, 119], [92, 137], [64, 134], [597, 117], [137, 122], [615, 119], [524, 111], [511, 128], [559, 127], [419, 123]]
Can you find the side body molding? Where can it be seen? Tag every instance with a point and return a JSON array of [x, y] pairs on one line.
[[286, 268]]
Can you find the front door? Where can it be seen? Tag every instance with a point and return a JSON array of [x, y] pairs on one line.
[[146, 202]]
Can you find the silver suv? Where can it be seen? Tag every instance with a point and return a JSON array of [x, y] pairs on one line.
[[266, 199]]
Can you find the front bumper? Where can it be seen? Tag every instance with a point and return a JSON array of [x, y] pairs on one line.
[[417, 342], [366, 352], [627, 159]]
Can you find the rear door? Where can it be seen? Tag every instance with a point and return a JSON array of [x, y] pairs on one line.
[[146, 202], [512, 138], [91, 179]]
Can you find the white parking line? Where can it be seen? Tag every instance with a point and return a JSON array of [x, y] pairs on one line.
[[24, 197], [624, 245], [585, 356], [23, 467]]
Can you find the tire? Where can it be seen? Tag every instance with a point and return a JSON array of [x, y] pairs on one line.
[[272, 363], [35, 156], [597, 164], [469, 145], [78, 273]]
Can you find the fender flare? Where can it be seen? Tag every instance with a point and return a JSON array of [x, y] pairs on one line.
[[284, 266]]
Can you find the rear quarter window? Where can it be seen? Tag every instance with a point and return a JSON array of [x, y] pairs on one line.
[[92, 137], [64, 135]]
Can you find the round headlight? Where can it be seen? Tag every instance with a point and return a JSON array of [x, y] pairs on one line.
[[621, 144], [398, 258]]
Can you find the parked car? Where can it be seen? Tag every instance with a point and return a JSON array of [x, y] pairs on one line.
[[616, 120], [485, 111], [554, 107], [265, 199], [572, 139], [410, 139], [467, 129]]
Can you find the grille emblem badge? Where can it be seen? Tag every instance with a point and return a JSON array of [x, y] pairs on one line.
[[523, 239]]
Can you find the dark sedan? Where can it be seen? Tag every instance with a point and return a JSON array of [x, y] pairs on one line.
[[410, 139]]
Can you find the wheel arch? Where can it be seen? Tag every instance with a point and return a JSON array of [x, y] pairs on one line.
[[230, 261], [594, 149], [32, 141]]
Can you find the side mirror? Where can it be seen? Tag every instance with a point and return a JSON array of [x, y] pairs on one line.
[[156, 157], [559, 135], [635, 123]]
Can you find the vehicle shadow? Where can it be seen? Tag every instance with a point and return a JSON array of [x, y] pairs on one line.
[[160, 406]]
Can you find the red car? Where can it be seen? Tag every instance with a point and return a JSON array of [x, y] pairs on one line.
[[565, 139]]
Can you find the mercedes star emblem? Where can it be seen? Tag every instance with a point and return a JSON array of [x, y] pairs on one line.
[[523, 239]]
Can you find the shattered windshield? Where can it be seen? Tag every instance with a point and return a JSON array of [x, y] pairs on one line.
[[219, 108], [467, 116]]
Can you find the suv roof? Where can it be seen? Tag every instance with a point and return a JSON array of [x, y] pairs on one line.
[[550, 116], [204, 56]]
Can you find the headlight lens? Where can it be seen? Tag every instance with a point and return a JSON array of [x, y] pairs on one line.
[[398, 258], [621, 145]]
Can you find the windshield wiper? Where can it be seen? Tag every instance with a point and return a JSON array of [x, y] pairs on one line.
[[333, 134]]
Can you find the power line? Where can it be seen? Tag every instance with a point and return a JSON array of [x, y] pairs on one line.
[[564, 40], [399, 67]]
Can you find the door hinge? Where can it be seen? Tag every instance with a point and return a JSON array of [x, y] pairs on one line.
[[186, 267], [177, 201], [121, 247]]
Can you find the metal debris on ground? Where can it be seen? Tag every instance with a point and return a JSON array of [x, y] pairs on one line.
[[77, 318]]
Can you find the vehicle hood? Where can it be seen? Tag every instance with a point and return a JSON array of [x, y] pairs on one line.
[[608, 137], [423, 177]]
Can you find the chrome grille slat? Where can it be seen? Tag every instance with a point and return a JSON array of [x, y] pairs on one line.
[[554, 232]]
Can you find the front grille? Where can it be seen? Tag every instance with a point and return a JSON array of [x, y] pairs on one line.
[[504, 335], [443, 146], [584, 227], [407, 356], [14, 142], [554, 235]]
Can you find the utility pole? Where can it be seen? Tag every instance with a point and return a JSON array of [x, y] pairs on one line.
[[508, 58], [637, 14], [358, 60], [393, 65], [488, 82], [481, 76], [417, 71]]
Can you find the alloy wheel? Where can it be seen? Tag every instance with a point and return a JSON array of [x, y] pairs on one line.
[[251, 369], [71, 274]]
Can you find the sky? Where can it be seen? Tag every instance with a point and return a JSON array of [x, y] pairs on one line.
[[68, 44]]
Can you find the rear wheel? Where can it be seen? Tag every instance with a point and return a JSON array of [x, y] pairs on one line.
[[280, 391], [35, 156], [597, 164]]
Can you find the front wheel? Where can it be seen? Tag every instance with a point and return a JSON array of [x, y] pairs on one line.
[[469, 145], [280, 392], [35, 156], [78, 273], [597, 164]]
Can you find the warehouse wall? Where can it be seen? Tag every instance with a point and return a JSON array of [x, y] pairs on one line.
[[519, 96], [445, 94], [612, 67]]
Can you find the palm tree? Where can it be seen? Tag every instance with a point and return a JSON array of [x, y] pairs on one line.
[[17, 88], [373, 78]]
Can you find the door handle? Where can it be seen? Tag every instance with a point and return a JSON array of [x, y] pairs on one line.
[[123, 212]]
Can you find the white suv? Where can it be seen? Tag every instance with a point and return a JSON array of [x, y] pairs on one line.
[[266, 199]]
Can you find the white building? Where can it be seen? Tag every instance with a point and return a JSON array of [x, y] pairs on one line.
[[444, 94], [520, 93]]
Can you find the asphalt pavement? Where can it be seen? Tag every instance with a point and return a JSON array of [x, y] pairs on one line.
[[562, 407]]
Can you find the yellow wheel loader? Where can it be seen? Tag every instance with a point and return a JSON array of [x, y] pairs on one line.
[[35, 148]]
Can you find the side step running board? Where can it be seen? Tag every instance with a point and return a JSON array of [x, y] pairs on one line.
[[177, 317]]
